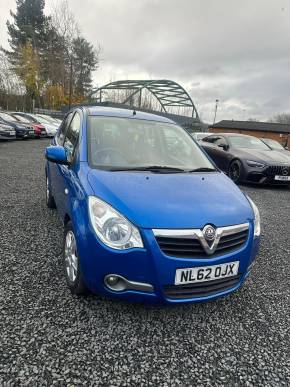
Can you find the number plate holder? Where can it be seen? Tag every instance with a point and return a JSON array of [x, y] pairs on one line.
[[206, 273]]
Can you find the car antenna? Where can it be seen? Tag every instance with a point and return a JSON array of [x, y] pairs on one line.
[[134, 112]]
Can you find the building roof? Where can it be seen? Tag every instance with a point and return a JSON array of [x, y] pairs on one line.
[[253, 125]]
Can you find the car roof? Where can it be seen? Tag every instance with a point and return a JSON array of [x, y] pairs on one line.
[[231, 135], [125, 113]]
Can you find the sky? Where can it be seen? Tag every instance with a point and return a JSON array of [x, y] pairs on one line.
[[236, 51]]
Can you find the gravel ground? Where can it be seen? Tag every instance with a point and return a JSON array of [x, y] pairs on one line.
[[49, 337]]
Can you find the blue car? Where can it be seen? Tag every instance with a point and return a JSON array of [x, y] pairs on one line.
[[147, 216]]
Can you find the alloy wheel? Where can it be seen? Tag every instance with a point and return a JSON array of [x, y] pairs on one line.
[[47, 190], [235, 172], [70, 256]]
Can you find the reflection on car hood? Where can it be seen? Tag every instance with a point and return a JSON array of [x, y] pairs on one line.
[[190, 200], [267, 156]]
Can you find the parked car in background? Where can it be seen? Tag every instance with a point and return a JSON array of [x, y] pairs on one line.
[[275, 145], [137, 222], [52, 120], [50, 129], [247, 159], [39, 129], [22, 131], [7, 132], [198, 136]]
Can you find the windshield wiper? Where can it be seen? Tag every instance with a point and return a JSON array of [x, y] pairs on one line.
[[203, 169], [151, 168]]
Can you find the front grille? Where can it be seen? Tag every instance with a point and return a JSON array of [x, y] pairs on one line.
[[201, 289], [281, 170], [191, 247]]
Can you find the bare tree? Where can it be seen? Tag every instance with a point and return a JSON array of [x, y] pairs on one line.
[[63, 21], [281, 118], [12, 88]]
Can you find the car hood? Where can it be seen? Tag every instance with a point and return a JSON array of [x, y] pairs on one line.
[[267, 156], [50, 127], [191, 200]]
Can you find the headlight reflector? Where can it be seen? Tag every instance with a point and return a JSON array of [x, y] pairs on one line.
[[111, 227], [257, 219], [255, 164]]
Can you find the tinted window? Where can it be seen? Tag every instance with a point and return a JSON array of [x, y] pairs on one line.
[[72, 134], [210, 139], [220, 141]]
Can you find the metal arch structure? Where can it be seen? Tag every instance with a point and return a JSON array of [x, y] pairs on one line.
[[168, 93]]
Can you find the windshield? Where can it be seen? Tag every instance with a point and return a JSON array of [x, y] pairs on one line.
[[7, 117], [273, 144], [247, 142], [22, 119], [42, 120], [121, 143], [48, 119]]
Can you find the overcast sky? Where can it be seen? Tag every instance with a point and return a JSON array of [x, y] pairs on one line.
[[237, 51]]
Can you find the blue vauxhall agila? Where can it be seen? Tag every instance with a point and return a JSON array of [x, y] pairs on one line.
[[147, 215]]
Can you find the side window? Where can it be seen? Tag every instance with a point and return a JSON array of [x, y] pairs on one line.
[[63, 129], [72, 134], [220, 141], [210, 139]]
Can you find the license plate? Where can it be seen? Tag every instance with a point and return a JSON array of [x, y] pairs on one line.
[[282, 178], [31, 132], [206, 273], [12, 133]]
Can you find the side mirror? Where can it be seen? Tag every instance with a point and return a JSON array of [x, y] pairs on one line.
[[224, 146], [56, 154]]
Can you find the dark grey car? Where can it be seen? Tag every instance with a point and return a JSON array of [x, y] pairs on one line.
[[247, 159]]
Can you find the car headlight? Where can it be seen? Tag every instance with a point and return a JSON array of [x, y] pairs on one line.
[[6, 127], [255, 164], [257, 219], [113, 229]]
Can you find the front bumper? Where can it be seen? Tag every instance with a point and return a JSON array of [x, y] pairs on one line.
[[152, 267], [7, 135], [266, 175], [25, 134]]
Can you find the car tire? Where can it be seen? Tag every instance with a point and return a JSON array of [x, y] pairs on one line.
[[236, 171], [49, 198], [71, 262]]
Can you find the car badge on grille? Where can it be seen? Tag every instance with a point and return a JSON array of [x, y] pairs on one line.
[[285, 171], [209, 233], [209, 238]]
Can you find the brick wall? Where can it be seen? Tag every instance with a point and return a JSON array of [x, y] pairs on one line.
[[260, 134]]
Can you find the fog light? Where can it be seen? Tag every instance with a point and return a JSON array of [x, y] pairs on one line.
[[115, 282], [112, 280]]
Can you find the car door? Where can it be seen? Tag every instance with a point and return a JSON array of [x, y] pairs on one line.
[[216, 146], [53, 168], [208, 145], [65, 174], [222, 155]]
